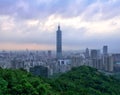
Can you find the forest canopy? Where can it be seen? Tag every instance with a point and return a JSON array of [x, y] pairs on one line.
[[79, 81]]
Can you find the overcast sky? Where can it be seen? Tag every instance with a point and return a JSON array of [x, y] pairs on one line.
[[32, 24]]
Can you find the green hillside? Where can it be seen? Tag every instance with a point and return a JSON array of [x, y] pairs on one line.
[[79, 81], [17, 82], [86, 81]]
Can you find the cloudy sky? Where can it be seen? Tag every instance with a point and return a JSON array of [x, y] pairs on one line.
[[32, 24]]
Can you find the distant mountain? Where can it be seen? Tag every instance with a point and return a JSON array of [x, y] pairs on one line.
[[79, 81]]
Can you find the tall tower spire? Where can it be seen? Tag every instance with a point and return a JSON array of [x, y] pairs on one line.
[[58, 26], [59, 43]]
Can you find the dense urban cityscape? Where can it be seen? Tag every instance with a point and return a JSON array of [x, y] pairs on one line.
[[47, 63]]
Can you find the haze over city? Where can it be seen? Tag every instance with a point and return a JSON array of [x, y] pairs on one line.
[[32, 24]]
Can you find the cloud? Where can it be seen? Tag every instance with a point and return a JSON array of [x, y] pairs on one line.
[[95, 10], [84, 23], [40, 8]]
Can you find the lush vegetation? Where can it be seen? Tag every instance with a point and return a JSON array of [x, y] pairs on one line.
[[86, 81], [117, 75], [79, 81], [17, 82]]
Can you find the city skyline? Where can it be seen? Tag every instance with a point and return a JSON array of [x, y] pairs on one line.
[[28, 24]]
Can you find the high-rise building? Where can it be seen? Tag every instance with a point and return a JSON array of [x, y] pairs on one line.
[[95, 58], [59, 43], [105, 50], [108, 63], [95, 54], [87, 53], [116, 58], [77, 61]]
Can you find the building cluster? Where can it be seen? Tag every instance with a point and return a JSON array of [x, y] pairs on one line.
[[98, 60], [24, 59], [47, 63]]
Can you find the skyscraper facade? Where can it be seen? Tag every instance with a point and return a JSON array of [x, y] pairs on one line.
[[95, 58], [108, 63], [95, 54], [105, 50], [59, 43], [87, 53]]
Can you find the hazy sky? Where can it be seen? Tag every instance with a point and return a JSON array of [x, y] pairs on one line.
[[32, 24]]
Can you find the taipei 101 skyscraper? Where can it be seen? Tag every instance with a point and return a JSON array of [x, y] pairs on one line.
[[58, 43]]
